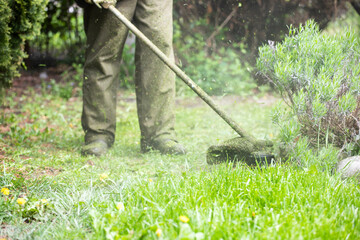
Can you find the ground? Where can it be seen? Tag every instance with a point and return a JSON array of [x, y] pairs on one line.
[[129, 195]]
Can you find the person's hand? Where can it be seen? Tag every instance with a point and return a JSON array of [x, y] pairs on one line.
[[102, 3]]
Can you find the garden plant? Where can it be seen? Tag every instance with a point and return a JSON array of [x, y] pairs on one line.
[[19, 21], [318, 77]]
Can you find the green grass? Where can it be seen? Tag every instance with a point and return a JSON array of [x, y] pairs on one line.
[[40, 145]]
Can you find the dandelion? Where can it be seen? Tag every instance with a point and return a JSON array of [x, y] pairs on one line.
[[5, 191], [44, 201], [253, 214], [21, 201], [120, 206], [150, 180], [103, 176], [158, 232], [184, 219]]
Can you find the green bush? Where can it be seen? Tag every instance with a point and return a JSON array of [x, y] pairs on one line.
[[19, 21], [6, 68], [318, 77]]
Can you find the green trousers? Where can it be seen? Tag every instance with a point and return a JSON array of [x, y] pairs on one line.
[[154, 81]]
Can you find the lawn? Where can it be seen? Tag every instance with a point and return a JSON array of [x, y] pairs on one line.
[[55, 193]]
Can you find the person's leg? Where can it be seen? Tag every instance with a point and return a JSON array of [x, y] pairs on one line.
[[106, 36], [155, 82]]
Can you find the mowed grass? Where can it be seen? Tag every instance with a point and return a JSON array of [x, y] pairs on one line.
[[129, 195]]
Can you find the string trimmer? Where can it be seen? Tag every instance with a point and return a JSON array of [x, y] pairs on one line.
[[245, 147]]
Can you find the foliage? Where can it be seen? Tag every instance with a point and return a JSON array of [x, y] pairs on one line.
[[18, 205], [70, 85], [63, 90], [19, 21], [62, 35], [351, 19], [318, 77], [7, 69], [127, 67], [219, 72], [251, 22], [201, 28]]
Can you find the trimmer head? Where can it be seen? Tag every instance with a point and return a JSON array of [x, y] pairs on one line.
[[241, 150]]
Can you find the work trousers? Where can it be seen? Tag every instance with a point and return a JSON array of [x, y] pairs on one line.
[[154, 81]]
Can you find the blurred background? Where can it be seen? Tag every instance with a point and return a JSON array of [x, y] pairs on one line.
[[216, 42]]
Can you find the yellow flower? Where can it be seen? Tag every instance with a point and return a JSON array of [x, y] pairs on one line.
[[184, 219], [5, 191], [158, 232], [120, 206], [253, 214], [150, 180], [21, 201], [103, 176], [44, 201]]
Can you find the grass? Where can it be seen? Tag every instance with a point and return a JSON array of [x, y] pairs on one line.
[[129, 195]]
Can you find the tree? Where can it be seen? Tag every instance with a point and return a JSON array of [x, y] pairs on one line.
[[19, 21]]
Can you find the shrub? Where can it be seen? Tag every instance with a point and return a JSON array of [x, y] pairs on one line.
[[19, 21], [318, 77]]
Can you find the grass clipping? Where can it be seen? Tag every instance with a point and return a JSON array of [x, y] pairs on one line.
[[241, 150]]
